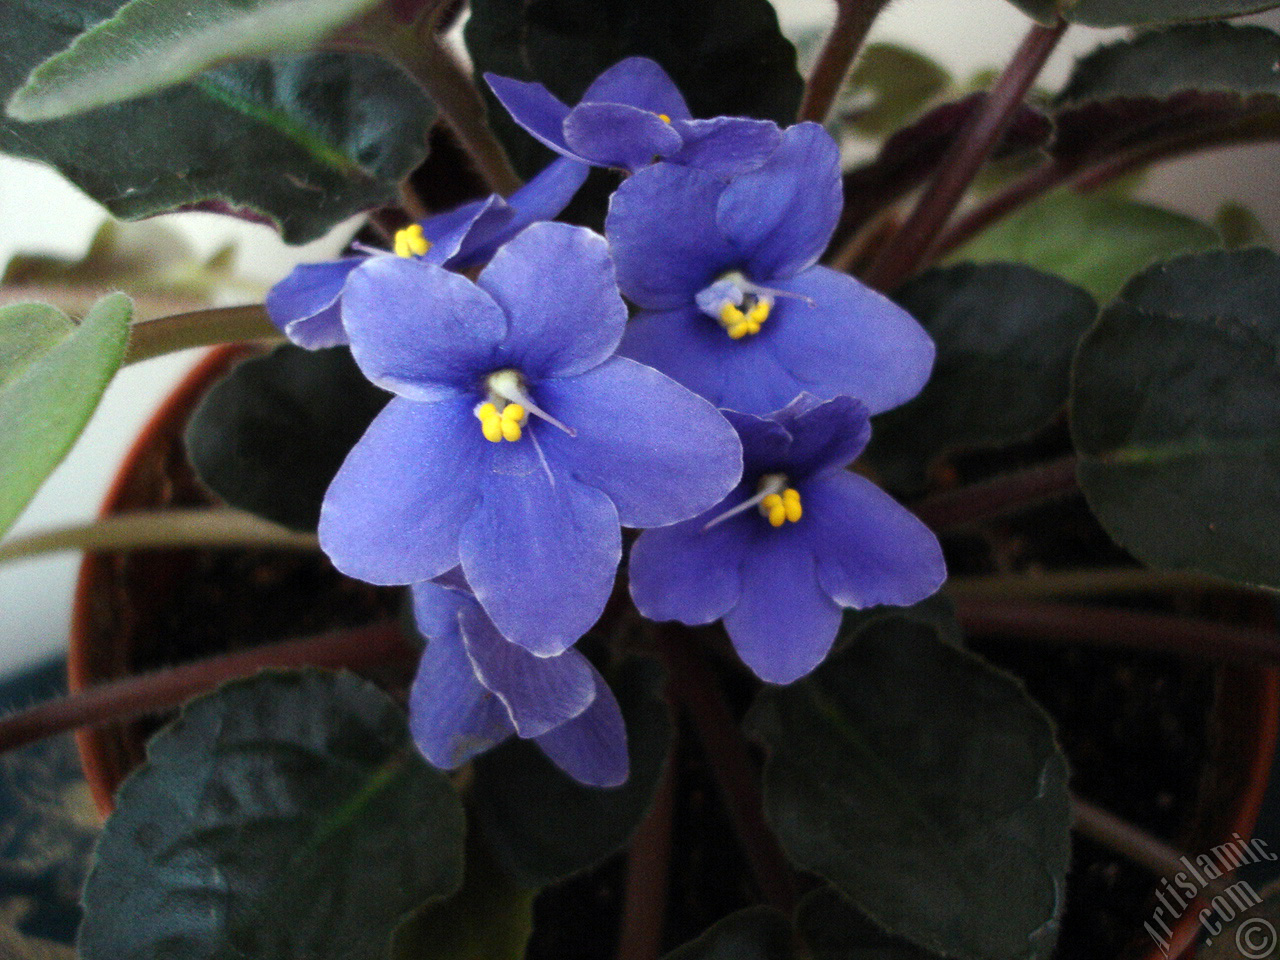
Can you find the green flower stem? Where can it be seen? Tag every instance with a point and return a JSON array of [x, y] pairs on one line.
[[199, 328], [913, 242], [436, 70], [166, 689], [1123, 629], [1134, 843], [162, 529], [853, 20], [1083, 583], [694, 687], [644, 909], [992, 498]]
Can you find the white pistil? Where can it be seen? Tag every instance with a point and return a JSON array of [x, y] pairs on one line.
[[770, 484], [508, 385]]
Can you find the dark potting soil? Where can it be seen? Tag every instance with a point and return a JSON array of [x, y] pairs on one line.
[[1134, 726]]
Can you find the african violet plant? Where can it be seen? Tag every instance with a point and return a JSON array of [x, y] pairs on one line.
[[620, 372]]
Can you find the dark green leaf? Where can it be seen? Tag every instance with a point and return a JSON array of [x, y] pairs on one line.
[[833, 929], [284, 817], [52, 374], [270, 435], [896, 82], [909, 157], [1176, 415], [728, 57], [757, 933], [1133, 13], [927, 786], [1005, 336], [542, 825], [303, 140], [1167, 93], [490, 918], [937, 612], [1097, 242], [148, 45]]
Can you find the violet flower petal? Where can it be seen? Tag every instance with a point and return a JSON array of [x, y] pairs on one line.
[[826, 435], [541, 550], [592, 748], [784, 212], [635, 432], [533, 107], [784, 623], [618, 135], [304, 305], [725, 146], [452, 717], [870, 549], [686, 573], [419, 330], [850, 341], [662, 231], [393, 513], [539, 693], [639, 82], [556, 283], [449, 232]]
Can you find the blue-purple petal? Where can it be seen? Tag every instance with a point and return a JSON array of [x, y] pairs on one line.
[[533, 107], [542, 198], [539, 693], [592, 748], [419, 330], [556, 284], [451, 232], [638, 82], [662, 231], [850, 340], [393, 513], [784, 212], [304, 305], [686, 573], [452, 717], [661, 453], [618, 135], [766, 444], [784, 623], [541, 550], [870, 549], [825, 435], [725, 146]]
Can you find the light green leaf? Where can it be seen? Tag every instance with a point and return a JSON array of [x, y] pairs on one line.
[[1096, 242], [899, 83], [52, 374], [152, 44]]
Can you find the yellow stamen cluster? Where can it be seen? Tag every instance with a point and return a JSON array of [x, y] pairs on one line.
[[410, 242], [782, 508], [664, 118], [738, 324], [500, 426]]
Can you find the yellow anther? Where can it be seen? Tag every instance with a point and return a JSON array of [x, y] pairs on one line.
[[513, 412], [491, 427], [507, 425], [510, 429], [664, 118], [410, 242], [731, 315], [486, 410], [791, 505], [759, 313]]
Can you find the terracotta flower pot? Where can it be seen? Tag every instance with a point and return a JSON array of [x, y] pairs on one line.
[[113, 623]]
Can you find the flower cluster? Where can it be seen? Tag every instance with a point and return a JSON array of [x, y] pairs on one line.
[[531, 420]]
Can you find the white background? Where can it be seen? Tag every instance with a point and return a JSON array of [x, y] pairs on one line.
[[41, 213]]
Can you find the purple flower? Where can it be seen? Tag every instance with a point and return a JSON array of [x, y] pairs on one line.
[[517, 443], [798, 539], [631, 116], [732, 304], [306, 304], [475, 688]]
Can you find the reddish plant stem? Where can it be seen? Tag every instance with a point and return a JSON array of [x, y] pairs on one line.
[[991, 498], [165, 689], [644, 909], [695, 688], [1128, 629], [853, 20], [1040, 180], [910, 247]]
